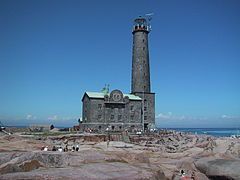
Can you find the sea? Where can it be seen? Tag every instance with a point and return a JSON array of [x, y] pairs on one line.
[[217, 132]]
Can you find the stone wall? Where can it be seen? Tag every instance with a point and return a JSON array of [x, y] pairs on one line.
[[149, 107]]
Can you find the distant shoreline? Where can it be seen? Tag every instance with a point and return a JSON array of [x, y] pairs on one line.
[[216, 132]]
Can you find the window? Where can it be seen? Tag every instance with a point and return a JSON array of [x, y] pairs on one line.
[[143, 40], [119, 117], [143, 48], [132, 117], [145, 117], [99, 116], [131, 108], [112, 116], [99, 127], [145, 108], [113, 127], [99, 106], [120, 127]]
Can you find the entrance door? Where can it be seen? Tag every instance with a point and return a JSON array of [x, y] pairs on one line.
[[145, 126]]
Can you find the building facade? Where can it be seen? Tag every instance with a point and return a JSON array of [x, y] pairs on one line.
[[114, 110], [118, 111]]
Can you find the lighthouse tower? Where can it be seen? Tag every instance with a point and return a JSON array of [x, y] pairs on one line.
[[141, 85]]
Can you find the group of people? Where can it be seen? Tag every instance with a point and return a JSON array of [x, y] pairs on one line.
[[60, 149]]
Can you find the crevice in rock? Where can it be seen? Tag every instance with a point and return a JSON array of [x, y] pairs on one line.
[[220, 178]]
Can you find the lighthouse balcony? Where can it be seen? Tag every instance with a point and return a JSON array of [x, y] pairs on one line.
[[140, 28]]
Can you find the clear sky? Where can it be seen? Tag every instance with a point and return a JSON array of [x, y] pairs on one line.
[[51, 52]]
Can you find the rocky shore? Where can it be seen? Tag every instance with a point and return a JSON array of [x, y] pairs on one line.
[[165, 155]]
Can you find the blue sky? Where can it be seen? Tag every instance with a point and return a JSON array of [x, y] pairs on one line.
[[51, 52]]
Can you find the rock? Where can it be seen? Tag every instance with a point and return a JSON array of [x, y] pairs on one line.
[[55, 130], [235, 150], [200, 176], [135, 158], [8, 156], [171, 149], [187, 165], [162, 158], [9, 168], [189, 168], [202, 144], [219, 168], [30, 165], [93, 171]]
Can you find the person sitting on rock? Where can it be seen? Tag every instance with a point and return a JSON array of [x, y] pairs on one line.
[[184, 176], [60, 149], [65, 148], [182, 172], [45, 149], [77, 147], [54, 148]]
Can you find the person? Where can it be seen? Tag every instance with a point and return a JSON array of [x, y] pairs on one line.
[[60, 149], [65, 148], [182, 172], [77, 147], [54, 148], [184, 176], [73, 148], [45, 149]]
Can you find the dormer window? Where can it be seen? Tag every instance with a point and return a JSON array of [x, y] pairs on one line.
[[99, 106]]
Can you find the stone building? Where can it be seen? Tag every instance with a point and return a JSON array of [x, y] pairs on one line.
[[41, 127], [118, 111], [115, 110]]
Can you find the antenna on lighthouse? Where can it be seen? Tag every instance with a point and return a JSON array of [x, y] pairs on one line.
[[149, 18]]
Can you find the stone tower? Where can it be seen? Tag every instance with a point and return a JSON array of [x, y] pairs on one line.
[[141, 85]]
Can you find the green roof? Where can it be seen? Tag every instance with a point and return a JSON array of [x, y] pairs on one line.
[[101, 95]]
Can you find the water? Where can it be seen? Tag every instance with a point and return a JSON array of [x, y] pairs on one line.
[[218, 132]]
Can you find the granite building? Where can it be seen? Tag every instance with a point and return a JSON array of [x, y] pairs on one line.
[[119, 111]]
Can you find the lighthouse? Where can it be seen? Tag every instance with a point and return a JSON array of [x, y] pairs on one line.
[[118, 111], [140, 83]]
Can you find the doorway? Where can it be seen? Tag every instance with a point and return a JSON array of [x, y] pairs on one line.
[[145, 126]]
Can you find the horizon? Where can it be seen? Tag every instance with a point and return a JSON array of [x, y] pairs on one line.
[[159, 128], [161, 125], [51, 52], [28, 125]]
